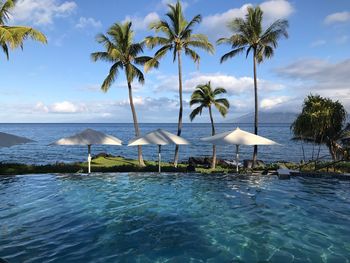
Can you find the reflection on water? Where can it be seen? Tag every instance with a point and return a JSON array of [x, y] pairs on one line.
[[173, 218]]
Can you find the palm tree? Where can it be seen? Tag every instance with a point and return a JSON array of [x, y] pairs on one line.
[[205, 97], [178, 39], [122, 52], [322, 122], [248, 35], [14, 36]]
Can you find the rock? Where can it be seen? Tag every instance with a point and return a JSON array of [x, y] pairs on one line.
[[283, 176], [199, 161], [103, 154], [249, 163], [191, 168]]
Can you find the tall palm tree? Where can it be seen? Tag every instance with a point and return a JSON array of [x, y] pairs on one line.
[[122, 52], [178, 38], [248, 35], [205, 97], [14, 36]]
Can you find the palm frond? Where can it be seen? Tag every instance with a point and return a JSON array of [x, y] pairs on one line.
[[219, 91], [136, 73], [143, 60], [6, 50], [200, 41], [187, 31], [204, 96], [222, 109], [135, 49], [194, 56], [195, 112], [157, 56], [178, 35], [122, 52], [231, 54], [223, 101], [113, 73], [104, 56], [5, 11], [152, 42]]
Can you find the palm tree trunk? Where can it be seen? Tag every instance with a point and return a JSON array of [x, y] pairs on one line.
[[333, 149], [213, 163], [302, 148], [255, 154], [179, 124], [136, 125]]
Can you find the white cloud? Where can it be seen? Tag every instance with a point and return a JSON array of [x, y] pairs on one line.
[[61, 107], [340, 17], [233, 85], [321, 73], [142, 23], [148, 109], [41, 12], [273, 102], [67, 107], [318, 43], [216, 25], [276, 9], [41, 107], [88, 22], [329, 79], [137, 101]]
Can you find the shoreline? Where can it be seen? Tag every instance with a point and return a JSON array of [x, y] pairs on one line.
[[112, 164]]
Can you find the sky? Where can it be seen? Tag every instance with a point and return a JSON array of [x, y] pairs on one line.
[[58, 82]]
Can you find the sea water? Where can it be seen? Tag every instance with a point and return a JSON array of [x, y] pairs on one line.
[[44, 134]]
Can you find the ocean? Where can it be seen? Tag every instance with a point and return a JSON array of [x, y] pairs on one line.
[[40, 153]]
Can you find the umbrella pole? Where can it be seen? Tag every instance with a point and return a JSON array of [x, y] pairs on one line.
[[237, 157], [89, 158], [159, 157]]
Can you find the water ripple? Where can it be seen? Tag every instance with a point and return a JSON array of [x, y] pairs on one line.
[[171, 218]]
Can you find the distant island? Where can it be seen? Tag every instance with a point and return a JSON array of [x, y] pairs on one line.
[[268, 117]]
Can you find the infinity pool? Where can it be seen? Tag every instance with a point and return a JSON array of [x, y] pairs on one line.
[[173, 218]]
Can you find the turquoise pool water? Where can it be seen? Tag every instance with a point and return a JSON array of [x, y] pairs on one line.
[[173, 218]]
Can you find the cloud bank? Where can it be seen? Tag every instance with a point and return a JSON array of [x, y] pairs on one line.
[[41, 12]]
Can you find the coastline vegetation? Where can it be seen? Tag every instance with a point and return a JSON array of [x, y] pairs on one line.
[[120, 164], [323, 121]]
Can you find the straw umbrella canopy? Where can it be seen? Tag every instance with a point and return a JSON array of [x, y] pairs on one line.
[[238, 137], [89, 137], [8, 140], [158, 137]]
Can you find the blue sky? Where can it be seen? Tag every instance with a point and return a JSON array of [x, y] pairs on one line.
[[58, 82]]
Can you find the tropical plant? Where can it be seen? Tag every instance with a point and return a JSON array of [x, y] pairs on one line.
[[178, 38], [205, 97], [322, 122], [12, 37], [122, 52], [248, 35]]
